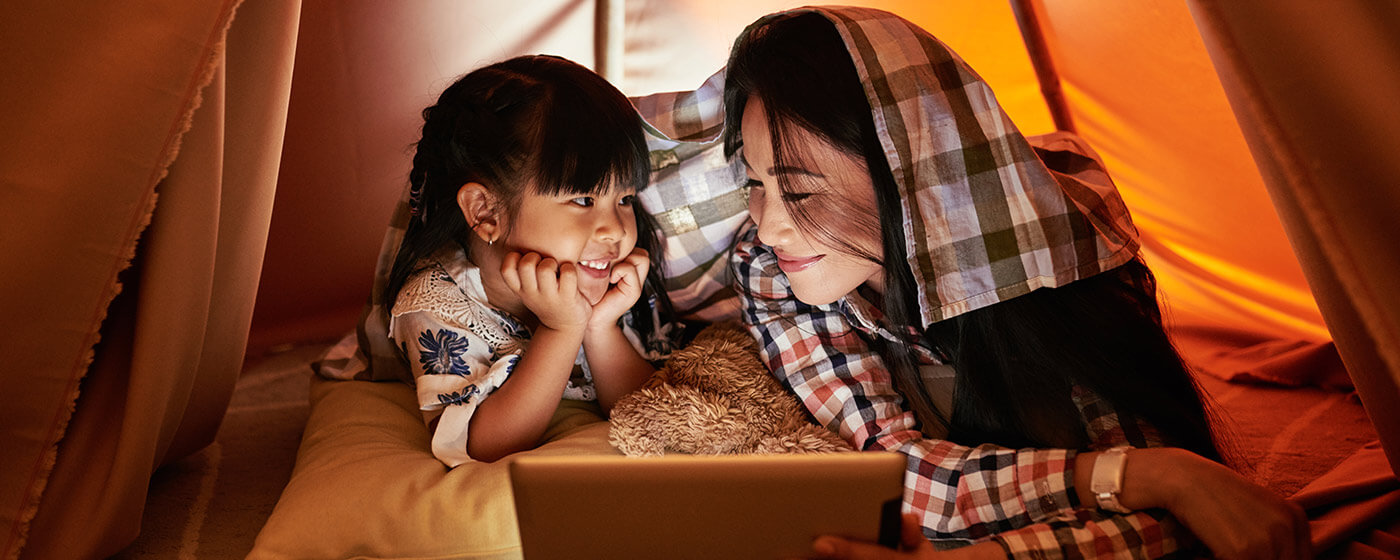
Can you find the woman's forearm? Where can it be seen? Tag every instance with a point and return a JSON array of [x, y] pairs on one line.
[[1231, 515], [1152, 477]]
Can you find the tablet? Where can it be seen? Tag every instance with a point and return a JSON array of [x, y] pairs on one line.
[[685, 506]]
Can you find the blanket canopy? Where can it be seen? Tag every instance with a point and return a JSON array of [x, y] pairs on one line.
[[228, 168]]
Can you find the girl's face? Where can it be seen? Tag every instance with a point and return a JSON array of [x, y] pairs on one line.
[[822, 179], [592, 231]]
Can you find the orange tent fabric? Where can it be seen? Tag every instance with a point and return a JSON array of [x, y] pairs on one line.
[[1319, 119], [80, 170], [1139, 83]]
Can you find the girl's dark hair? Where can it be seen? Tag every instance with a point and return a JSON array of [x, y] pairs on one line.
[[1017, 362], [538, 122]]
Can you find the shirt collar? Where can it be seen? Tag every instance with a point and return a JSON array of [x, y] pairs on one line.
[[870, 319]]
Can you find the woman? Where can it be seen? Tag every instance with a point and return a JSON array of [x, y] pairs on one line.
[[925, 283]]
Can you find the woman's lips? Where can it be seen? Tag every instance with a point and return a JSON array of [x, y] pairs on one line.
[[791, 264]]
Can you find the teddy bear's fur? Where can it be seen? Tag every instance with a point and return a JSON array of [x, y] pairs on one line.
[[716, 397]]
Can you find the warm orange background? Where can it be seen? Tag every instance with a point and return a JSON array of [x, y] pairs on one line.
[[1136, 75]]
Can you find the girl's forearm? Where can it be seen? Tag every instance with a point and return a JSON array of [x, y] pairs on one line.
[[617, 368], [516, 414]]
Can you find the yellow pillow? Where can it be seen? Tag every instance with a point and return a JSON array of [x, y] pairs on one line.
[[367, 485]]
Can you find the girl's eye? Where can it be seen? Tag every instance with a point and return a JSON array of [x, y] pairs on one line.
[[584, 201], [627, 200]]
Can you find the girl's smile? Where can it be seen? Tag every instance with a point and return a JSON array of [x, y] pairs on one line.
[[593, 278], [600, 268]]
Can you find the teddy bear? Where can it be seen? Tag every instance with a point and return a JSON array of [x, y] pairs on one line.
[[716, 397]]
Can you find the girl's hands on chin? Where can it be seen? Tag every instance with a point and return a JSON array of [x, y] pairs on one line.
[[626, 286], [912, 546], [548, 288]]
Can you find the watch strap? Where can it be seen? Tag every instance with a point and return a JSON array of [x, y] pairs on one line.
[[1106, 481]]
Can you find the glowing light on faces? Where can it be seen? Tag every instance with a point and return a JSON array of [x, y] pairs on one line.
[[822, 179], [594, 232]]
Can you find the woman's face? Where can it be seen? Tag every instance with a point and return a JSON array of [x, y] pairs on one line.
[[835, 190]]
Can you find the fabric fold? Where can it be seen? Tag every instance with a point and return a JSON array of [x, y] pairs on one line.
[[1359, 496]]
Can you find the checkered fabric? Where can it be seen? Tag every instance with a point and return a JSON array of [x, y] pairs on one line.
[[1020, 498], [695, 195], [984, 220]]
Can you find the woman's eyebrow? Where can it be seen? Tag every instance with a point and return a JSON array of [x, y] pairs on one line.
[[788, 169], [794, 170]]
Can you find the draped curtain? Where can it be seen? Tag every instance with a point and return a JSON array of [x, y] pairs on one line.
[[1318, 110], [137, 171], [142, 142]]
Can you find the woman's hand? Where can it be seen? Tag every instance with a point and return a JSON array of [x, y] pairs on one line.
[[626, 279], [1232, 516], [548, 289], [912, 546]]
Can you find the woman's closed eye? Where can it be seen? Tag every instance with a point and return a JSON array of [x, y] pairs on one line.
[[787, 196]]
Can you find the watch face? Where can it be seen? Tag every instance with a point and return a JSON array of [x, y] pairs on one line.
[[1107, 476]]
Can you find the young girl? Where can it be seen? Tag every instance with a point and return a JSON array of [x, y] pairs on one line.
[[526, 274], [925, 283]]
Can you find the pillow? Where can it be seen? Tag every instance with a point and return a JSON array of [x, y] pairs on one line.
[[697, 197], [367, 485]]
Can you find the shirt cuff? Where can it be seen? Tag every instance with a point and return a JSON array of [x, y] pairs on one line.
[[1046, 478]]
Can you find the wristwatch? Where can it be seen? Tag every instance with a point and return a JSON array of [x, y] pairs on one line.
[[1106, 481]]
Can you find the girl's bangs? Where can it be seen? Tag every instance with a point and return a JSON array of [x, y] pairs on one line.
[[590, 144]]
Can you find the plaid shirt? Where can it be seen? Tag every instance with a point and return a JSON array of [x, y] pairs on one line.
[[1022, 499]]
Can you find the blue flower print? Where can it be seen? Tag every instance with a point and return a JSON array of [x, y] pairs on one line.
[[514, 328], [463, 397], [443, 352]]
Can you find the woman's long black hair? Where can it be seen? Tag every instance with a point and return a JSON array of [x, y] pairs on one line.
[[531, 120], [1018, 362]]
